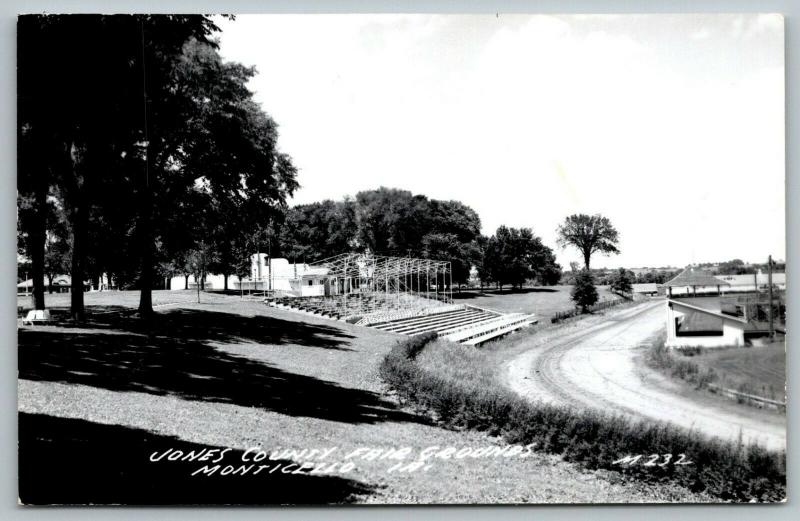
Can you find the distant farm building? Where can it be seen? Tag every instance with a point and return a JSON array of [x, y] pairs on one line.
[[647, 289], [752, 282], [693, 281]]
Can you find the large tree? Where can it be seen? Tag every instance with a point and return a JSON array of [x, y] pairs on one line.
[[92, 91], [589, 234], [515, 255], [127, 118], [385, 221], [319, 230], [391, 221]]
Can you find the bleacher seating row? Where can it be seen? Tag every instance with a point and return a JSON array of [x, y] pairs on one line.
[[341, 307], [460, 323], [439, 322], [474, 334]]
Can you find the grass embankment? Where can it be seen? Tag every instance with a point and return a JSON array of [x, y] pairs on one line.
[[233, 374], [759, 371], [458, 386]]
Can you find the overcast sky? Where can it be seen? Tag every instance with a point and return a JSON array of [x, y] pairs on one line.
[[670, 125]]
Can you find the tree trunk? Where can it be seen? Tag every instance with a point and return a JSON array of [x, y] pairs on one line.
[[37, 236], [146, 248], [225, 278], [77, 273], [50, 283], [145, 233], [186, 281], [586, 257], [78, 217]]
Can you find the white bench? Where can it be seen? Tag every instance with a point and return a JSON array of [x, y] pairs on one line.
[[37, 316]]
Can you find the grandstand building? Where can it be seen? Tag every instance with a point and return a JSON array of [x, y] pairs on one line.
[[402, 295]]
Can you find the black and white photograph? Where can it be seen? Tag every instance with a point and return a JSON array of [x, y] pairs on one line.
[[401, 259]]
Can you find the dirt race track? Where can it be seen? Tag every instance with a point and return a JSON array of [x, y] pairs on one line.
[[598, 367]]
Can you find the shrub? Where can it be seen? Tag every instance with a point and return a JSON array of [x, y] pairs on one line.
[[679, 366], [584, 294], [727, 470]]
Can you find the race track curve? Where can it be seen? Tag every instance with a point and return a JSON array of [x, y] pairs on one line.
[[597, 367]]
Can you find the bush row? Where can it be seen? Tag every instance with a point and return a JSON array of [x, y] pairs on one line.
[[678, 363], [728, 470], [660, 357]]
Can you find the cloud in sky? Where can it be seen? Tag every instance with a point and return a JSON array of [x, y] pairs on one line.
[[671, 125]]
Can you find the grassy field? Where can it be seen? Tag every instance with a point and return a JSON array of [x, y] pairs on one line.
[[227, 373], [758, 370], [544, 301], [113, 299]]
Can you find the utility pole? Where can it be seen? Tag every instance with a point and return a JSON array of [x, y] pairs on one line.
[[769, 282], [269, 264]]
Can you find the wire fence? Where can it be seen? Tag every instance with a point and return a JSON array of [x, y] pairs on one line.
[[605, 304]]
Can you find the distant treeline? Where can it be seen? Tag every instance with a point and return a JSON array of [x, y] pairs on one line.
[[389, 221], [606, 277], [739, 267]]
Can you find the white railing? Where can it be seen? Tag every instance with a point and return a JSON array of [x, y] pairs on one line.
[[509, 322]]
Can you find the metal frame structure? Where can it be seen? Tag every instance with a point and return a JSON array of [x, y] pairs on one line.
[[365, 283]]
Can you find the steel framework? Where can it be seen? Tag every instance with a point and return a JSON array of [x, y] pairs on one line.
[[371, 283]]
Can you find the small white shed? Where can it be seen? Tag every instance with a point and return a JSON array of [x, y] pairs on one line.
[[715, 329]]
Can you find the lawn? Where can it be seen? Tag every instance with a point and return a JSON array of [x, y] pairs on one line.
[[759, 370], [109, 299], [544, 301], [103, 396]]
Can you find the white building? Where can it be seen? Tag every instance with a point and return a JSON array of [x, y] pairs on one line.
[[750, 282], [689, 325], [275, 275]]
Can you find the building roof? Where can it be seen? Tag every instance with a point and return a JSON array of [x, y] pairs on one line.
[[645, 287], [707, 311], [312, 271], [692, 276]]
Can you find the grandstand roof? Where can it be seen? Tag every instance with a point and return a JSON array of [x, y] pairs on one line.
[[692, 276]]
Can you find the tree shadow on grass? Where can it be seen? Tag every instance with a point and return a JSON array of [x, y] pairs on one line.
[[67, 461], [192, 370], [213, 326]]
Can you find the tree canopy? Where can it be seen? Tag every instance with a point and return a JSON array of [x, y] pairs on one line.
[[385, 221], [150, 142], [622, 281], [515, 255], [589, 234]]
